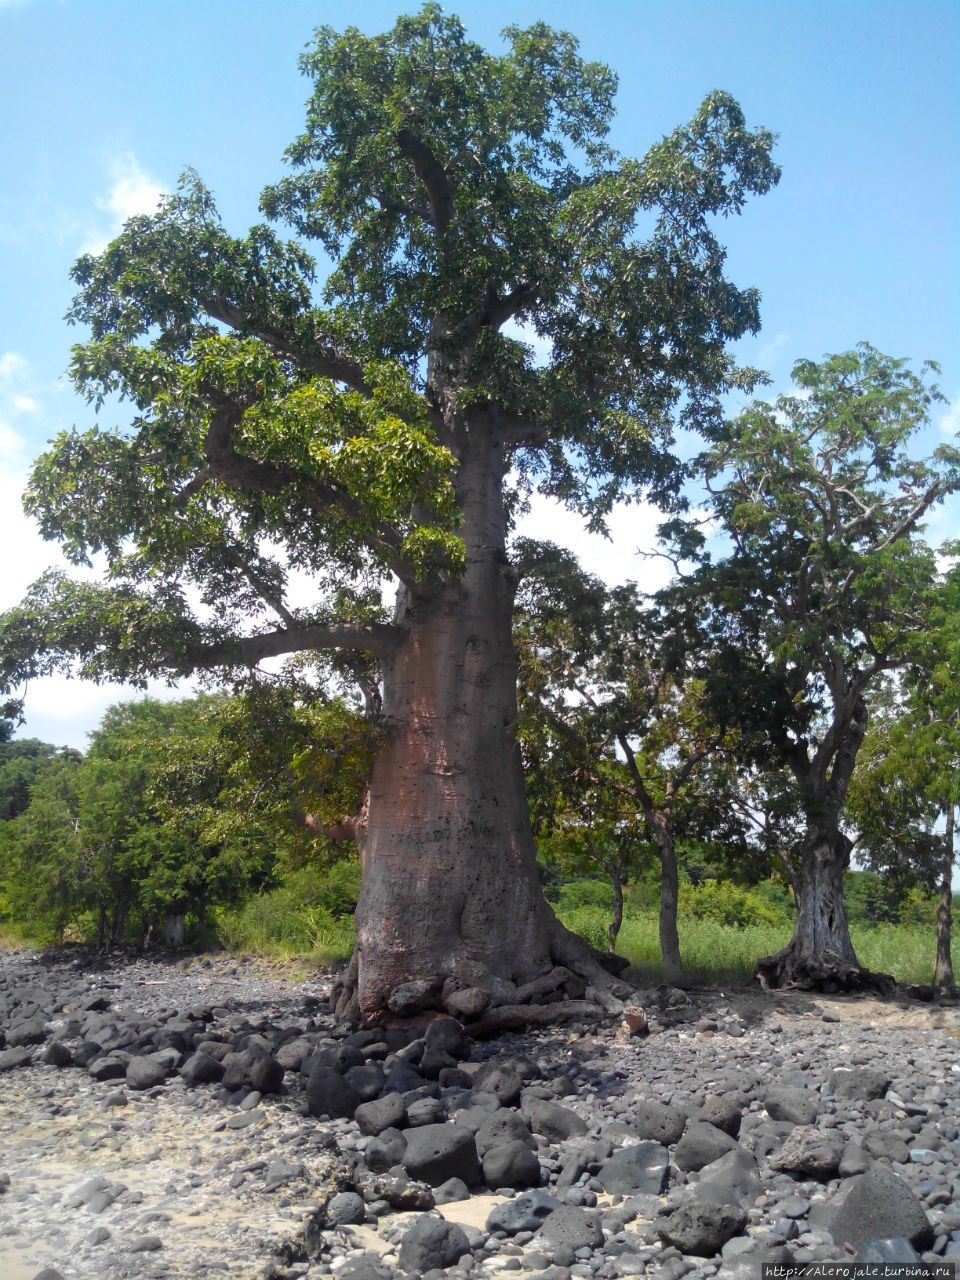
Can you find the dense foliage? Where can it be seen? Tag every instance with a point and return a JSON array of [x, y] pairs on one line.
[[456, 191], [176, 808]]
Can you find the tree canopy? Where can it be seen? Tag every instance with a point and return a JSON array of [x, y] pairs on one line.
[[277, 428]]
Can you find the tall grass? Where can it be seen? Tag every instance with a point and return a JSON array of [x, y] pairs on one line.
[[906, 951], [297, 919], [311, 913], [716, 953], [275, 929], [710, 951], [723, 930]]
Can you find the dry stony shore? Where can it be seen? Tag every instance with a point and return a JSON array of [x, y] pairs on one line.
[[162, 1117]]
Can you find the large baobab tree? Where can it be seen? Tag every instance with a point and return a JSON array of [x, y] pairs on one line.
[[382, 430]]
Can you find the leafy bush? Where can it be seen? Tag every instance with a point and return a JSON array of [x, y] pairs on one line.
[[777, 895], [311, 911], [870, 900], [585, 893], [919, 908], [726, 903], [642, 896], [339, 887]]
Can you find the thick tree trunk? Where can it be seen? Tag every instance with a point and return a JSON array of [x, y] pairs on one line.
[[669, 902], [943, 971], [174, 929], [820, 954], [451, 915]]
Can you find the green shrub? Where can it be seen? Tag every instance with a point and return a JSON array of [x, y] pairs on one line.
[[339, 887], [641, 896], [777, 895], [590, 922], [725, 903], [311, 911], [869, 900], [585, 893]]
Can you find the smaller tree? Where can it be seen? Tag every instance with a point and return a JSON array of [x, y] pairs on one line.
[[905, 793], [45, 864], [590, 828], [100, 839], [22, 760], [823, 586], [616, 725]]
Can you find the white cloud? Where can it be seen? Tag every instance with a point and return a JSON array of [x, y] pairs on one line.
[[33, 555], [133, 190], [57, 709], [12, 365], [770, 350], [14, 400], [626, 556], [65, 712], [542, 347], [11, 442]]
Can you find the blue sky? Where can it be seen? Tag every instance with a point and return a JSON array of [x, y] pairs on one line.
[[104, 102]]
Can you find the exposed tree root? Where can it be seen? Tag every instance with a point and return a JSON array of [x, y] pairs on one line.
[[598, 968], [343, 994], [580, 984], [828, 973], [511, 1017]]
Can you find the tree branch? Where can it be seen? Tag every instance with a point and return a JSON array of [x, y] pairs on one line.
[[348, 828], [374, 637], [270, 597], [642, 794], [497, 311], [404, 207], [923, 504], [431, 174], [324, 361], [253, 476], [518, 433]]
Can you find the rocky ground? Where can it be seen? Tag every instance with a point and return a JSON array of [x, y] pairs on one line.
[[171, 1118]]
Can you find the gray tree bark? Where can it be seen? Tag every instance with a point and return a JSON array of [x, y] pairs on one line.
[[614, 870], [820, 954], [943, 970], [669, 902]]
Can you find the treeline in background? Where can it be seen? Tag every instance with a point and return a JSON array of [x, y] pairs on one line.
[[184, 823]]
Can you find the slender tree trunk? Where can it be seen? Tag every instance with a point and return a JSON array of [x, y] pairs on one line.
[[669, 900], [943, 971], [451, 915], [616, 921], [174, 928]]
